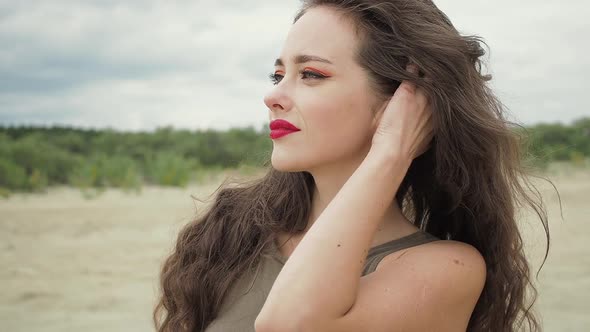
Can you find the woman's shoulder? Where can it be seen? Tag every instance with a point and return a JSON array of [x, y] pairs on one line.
[[451, 262], [439, 253], [443, 278]]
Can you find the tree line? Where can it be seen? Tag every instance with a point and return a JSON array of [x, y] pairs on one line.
[[33, 158]]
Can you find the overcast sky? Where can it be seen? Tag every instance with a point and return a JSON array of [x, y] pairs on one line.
[[141, 64]]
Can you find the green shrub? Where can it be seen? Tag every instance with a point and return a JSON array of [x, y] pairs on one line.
[[101, 171], [5, 192], [87, 175], [33, 153], [37, 181], [12, 176], [121, 172], [32, 158], [169, 169]]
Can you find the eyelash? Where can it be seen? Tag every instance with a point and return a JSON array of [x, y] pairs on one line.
[[274, 77]]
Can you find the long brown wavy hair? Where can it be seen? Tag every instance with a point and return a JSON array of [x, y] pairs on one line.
[[467, 187]]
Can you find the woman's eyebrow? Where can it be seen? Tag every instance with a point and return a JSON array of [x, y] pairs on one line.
[[302, 59]]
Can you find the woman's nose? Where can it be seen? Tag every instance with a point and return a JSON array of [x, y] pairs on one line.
[[278, 100]]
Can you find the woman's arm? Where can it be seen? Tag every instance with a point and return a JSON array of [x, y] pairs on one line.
[[321, 277]]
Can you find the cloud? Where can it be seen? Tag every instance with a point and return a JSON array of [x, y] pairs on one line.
[[537, 54], [197, 64]]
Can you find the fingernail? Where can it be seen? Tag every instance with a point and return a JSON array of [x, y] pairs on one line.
[[412, 68]]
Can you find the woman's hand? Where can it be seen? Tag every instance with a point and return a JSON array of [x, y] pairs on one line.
[[404, 127]]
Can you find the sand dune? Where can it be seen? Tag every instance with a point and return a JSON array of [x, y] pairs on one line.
[[71, 264]]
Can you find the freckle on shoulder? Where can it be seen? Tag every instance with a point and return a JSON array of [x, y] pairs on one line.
[[454, 252]]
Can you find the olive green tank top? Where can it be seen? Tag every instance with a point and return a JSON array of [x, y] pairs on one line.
[[247, 296]]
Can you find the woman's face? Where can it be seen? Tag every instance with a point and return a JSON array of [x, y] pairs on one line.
[[331, 103]]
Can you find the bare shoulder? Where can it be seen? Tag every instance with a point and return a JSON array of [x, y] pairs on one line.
[[437, 253], [451, 262], [433, 286], [454, 272]]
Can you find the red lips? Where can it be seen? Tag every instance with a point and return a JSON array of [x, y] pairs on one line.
[[280, 128]]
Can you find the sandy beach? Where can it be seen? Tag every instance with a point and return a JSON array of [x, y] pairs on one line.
[[73, 264]]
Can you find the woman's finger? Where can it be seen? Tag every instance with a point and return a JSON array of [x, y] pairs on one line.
[[421, 97], [412, 68], [411, 86]]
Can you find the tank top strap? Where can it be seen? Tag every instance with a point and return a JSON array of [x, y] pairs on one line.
[[377, 253]]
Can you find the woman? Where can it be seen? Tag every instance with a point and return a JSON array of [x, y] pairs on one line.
[[388, 206]]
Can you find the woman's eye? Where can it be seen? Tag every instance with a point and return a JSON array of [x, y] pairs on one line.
[[306, 74], [275, 78], [311, 74]]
